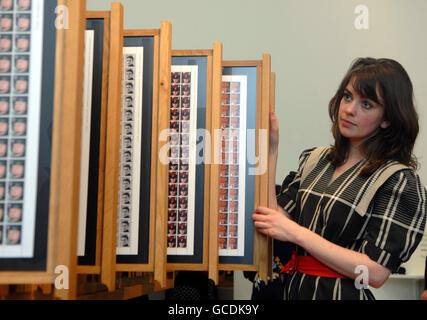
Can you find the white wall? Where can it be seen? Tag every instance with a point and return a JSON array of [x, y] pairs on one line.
[[312, 43]]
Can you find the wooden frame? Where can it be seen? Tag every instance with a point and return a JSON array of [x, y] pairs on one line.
[[211, 69], [65, 160], [105, 16], [160, 273], [108, 272], [262, 254], [149, 266], [214, 171], [70, 100], [157, 273], [161, 84]]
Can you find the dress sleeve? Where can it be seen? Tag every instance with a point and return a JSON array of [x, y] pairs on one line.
[[286, 198], [397, 220]]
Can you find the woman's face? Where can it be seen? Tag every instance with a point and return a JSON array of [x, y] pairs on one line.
[[23, 23], [17, 170], [4, 106], [358, 117], [4, 86], [13, 236], [24, 4], [5, 44], [20, 106], [21, 86], [22, 65], [3, 128], [15, 214], [6, 23], [6, 4], [18, 149], [19, 128], [22, 44], [4, 65], [16, 192]]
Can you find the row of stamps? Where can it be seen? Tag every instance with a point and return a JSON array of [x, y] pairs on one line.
[[228, 243], [15, 22], [179, 127], [15, 41], [178, 202], [13, 169], [228, 218], [229, 168], [230, 122], [14, 85], [230, 99], [14, 64], [180, 102], [10, 234], [178, 190], [177, 228], [177, 241], [179, 159], [12, 213], [228, 206], [230, 87], [127, 149], [181, 77], [17, 5], [181, 90], [16, 127], [13, 106], [14, 191], [12, 148]]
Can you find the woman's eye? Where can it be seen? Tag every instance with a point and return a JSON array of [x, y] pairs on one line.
[[366, 105], [347, 97]]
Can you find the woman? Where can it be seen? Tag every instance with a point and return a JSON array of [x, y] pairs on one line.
[[355, 210]]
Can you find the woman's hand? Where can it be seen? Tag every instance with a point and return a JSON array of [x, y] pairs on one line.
[[275, 224], [274, 132]]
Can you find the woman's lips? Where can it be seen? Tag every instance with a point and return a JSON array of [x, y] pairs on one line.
[[347, 123]]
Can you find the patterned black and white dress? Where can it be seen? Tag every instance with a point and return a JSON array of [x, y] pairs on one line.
[[382, 215]]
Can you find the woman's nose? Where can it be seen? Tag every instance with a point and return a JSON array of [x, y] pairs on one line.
[[351, 107]]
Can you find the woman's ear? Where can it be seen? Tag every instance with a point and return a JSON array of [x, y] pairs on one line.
[[385, 124]]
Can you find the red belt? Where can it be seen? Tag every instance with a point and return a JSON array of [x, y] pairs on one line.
[[309, 265]]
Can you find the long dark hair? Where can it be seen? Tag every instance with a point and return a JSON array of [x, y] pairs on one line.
[[386, 82]]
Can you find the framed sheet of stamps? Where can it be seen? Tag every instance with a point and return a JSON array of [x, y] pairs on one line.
[[134, 213], [182, 167], [232, 196], [182, 164], [128, 242], [189, 141], [27, 47], [236, 184], [244, 118], [130, 151], [93, 138], [40, 115]]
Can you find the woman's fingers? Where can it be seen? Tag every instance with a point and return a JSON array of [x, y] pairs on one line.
[[263, 210], [274, 130], [261, 225], [273, 120]]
